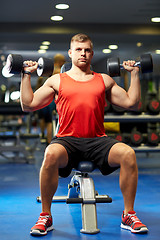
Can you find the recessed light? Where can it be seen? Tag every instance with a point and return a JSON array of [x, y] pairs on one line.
[[139, 44], [157, 51], [155, 19], [113, 47], [56, 18], [62, 6], [42, 51], [106, 50], [44, 47], [3, 87], [46, 43]]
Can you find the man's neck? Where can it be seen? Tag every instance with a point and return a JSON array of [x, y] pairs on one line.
[[81, 71]]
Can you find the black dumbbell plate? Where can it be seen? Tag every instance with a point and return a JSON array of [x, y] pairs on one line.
[[146, 63], [113, 67], [14, 63]]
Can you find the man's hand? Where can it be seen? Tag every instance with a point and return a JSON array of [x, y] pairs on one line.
[[129, 66], [30, 66]]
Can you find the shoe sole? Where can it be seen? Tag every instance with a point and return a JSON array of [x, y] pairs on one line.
[[36, 232], [142, 230]]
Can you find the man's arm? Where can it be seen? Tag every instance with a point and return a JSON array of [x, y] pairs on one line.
[[117, 95], [42, 97]]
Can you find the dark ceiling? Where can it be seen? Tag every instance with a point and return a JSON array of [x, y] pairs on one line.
[[25, 24]]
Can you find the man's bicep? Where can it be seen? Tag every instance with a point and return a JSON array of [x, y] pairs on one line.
[[117, 95], [43, 96]]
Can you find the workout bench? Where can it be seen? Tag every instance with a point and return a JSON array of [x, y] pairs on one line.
[[82, 190]]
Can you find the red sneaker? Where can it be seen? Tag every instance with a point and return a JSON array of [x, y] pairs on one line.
[[132, 223], [43, 225]]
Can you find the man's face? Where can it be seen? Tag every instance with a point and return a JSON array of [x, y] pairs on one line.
[[81, 53]]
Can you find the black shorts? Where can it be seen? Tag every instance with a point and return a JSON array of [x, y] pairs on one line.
[[86, 149]]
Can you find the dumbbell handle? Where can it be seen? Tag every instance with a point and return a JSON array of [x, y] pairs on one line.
[[137, 64], [39, 65]]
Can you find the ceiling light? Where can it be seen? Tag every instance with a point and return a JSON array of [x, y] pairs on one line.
[[3, 87], [62, 6], [42, 51], [139, 44], [56, 18], [44, 47], [155, 19], [2, 58], [157, 51], [113, 47], [46, 43], [106, 50]]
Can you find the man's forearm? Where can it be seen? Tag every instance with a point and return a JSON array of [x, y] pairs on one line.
[[26, 93], [134, 91]]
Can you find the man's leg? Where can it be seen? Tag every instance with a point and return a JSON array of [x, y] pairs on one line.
[[124, 156], [55, 157]]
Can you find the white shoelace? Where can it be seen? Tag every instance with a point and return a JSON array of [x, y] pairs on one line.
[[135, 219], [42, 220]]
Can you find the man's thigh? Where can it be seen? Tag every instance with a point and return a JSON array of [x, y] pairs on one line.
[[117, 153]]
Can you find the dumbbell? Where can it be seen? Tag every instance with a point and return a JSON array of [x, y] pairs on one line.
[[114, 65], [153, 106], [140, 107], [118, 110], [107, 106], [151, 138], [136, 138], [15, 65], [119, 137]]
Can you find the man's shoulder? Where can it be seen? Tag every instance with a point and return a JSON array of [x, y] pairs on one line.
[[54, 80], [108, 81]]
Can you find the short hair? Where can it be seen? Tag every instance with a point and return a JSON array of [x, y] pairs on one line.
[[81, 37]]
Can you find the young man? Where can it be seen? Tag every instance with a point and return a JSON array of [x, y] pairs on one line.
[[80, 98]]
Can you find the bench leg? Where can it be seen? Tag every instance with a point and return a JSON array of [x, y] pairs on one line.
[[89, 212], [82, 190]]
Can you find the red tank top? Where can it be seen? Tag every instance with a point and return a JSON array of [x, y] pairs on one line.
[[80, 106]]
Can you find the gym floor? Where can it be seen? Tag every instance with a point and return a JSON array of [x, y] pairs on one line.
[[19, 209]]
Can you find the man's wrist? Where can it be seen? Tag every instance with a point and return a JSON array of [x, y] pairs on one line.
[[26, 72]]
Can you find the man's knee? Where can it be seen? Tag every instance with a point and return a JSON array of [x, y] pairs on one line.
[[122, 154], [129, 157], [55, 156], [50, 159]]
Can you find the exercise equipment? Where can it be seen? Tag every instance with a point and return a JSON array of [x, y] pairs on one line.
[[119, 137], [114, 65], [107, 106], [153, 106], [15, 145], [117, 109], [136, 138], [140, 107], [15, 65], [153, 138]]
